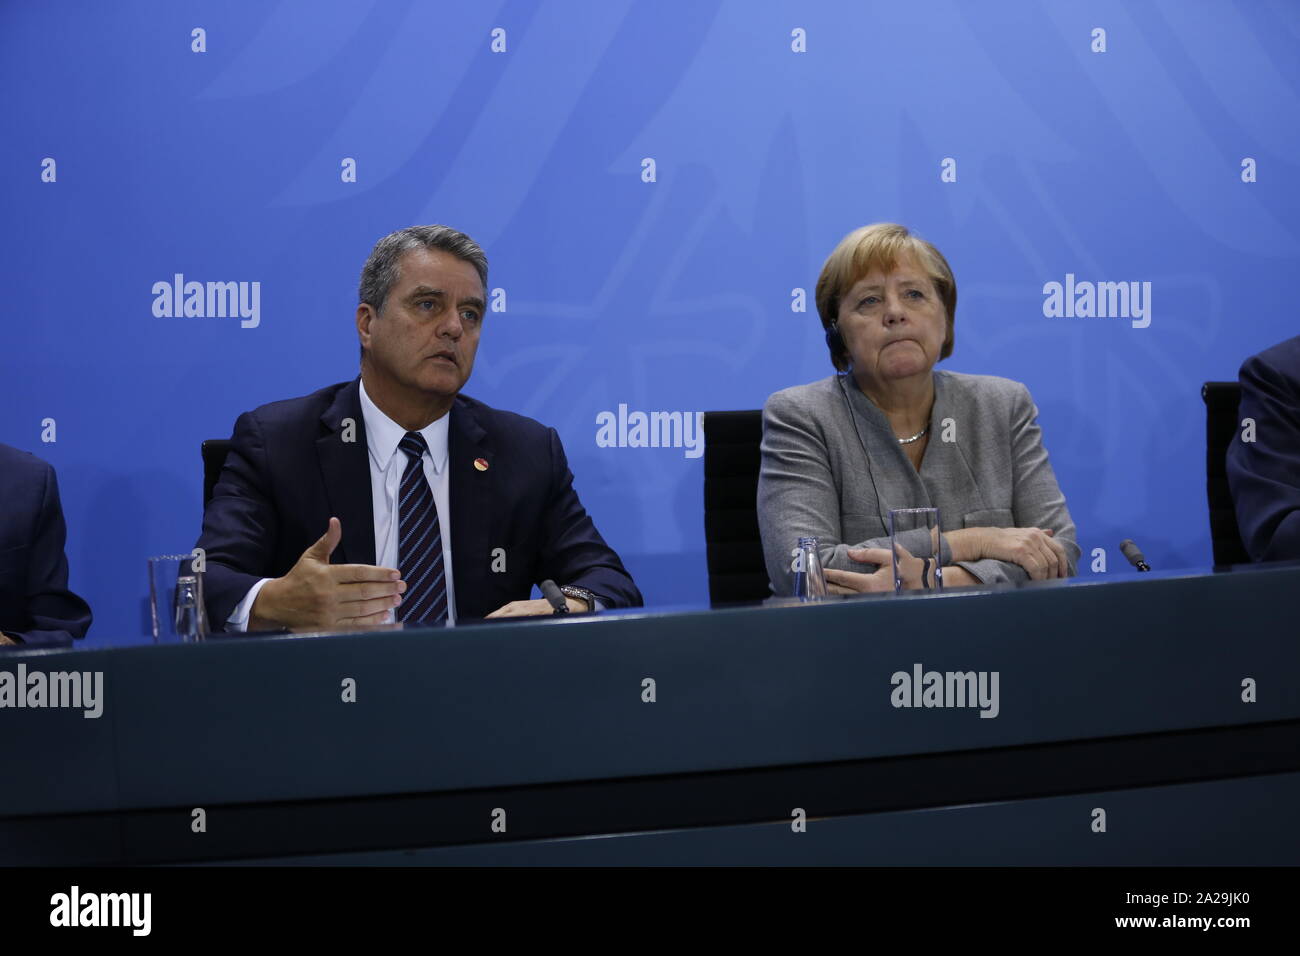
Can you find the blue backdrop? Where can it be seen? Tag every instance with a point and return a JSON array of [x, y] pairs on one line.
[[275, 142]]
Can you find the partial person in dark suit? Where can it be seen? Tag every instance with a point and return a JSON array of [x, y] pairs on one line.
[[1264, 474], [393, 497], [36, 606]]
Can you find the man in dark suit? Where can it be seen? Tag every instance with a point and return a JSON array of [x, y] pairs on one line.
[[36, 606], [393, 497], [1264, 473]]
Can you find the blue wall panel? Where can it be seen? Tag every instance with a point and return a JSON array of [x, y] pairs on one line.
[[672, 295]]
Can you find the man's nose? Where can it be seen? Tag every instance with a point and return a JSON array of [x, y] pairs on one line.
[[451, 325]]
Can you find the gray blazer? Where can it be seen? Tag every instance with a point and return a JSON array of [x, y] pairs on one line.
[[832, 467]]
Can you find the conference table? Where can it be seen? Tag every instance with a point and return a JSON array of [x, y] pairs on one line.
[[1152, 719]]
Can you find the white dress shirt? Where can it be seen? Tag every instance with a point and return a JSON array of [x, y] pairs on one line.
[[387, 464]]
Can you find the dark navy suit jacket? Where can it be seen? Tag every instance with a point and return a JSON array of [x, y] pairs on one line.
[[35, 603], [1264, 475], [289, 471]]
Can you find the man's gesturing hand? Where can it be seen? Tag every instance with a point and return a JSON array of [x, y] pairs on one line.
[[318, 596]]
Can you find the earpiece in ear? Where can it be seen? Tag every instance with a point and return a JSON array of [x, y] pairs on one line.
[[835, 341]]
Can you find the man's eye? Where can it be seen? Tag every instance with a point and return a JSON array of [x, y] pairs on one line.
[[425, 304], [469, 315]]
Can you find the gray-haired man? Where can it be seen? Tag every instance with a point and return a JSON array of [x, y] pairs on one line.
[[393, 496]]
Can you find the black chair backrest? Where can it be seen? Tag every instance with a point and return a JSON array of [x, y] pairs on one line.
[[1221, 400], [214, 452], [735, 550]]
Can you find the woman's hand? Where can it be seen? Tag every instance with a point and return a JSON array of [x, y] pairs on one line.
[[1034, 549], [882, 579]]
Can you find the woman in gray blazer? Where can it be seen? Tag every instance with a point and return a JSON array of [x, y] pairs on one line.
[[890, 431]]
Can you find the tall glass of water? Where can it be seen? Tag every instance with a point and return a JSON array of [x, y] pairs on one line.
[[176, 600], [916, 547]]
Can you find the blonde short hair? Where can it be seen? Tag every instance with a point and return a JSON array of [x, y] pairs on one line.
[[879, 247]]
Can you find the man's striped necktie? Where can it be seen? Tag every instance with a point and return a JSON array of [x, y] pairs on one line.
[[419, 547]]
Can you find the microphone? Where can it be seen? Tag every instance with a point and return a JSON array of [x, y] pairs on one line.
[[1134, 555], [551, 592]]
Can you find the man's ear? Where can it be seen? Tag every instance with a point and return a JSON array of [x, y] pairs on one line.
[[365, 315]]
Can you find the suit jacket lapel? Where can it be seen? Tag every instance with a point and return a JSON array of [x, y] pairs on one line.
[[470, 491], [945, 464], [345, 466]]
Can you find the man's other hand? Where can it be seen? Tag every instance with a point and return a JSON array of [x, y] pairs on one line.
[[538, 608]]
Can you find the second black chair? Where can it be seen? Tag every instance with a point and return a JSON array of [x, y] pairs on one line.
[[737, 571]]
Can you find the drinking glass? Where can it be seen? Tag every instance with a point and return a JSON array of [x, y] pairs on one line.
[[915, 532], [176, 600]]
